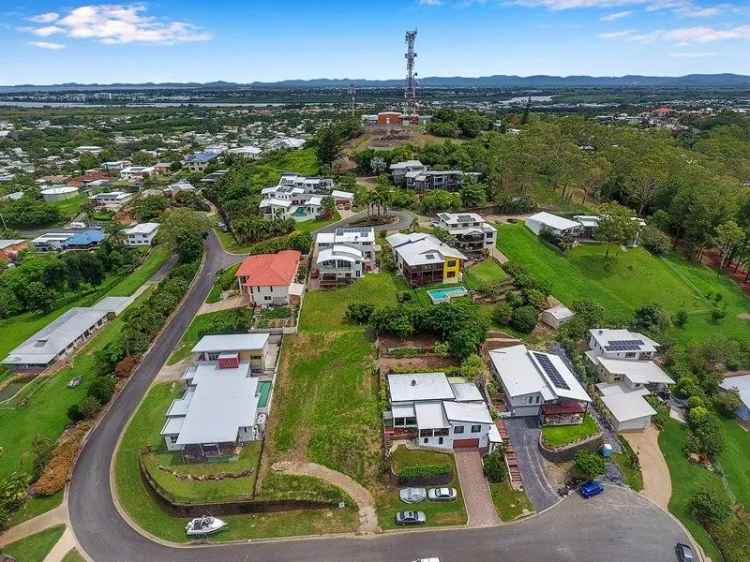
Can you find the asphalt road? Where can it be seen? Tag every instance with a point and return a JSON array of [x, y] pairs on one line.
[[618, 526], [404, 221]]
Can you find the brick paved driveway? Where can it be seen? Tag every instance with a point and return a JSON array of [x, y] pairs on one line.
[[476, 492]]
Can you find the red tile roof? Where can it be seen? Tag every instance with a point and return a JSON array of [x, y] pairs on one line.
[[270, 269]]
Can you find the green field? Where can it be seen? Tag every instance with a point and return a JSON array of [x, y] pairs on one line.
[[35, 548], [483, 273], [70, 208], [687, 480], [735, 462], [438, 513], [200, 323], [560, 435], [630, 280], [134, 497]]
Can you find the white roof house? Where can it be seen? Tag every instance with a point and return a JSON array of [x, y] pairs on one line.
[[421, 249], [231, 342], [557, 315], [608, 342], [637, 372], [628, 409], [559, 225], [421, 386], [342, 195], [742, 385]]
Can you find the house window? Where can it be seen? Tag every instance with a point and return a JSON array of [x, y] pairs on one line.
[[442, 431], [411, 421], [440, 441], [267, 298], [476, 428], [458, 429], [630, 354], [213, 356], [426, 440], [530, 399], [451, 274], [173, 439], [537, 398]]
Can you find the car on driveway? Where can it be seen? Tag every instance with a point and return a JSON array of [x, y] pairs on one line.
[[411, 518], [442, 494], [412, 495], [684, 553], [590, 489]]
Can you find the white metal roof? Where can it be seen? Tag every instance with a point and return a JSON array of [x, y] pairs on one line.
[[466, 392], [604, 336], [421, 249], [553, 221], [143, 228], [231, 342], [625, 405], [419, 386], [403, 411], [472, 412], [522, 374], [741, 384], [337, 194], [340, 252], [561, 312], [640, 372], [430, 415]]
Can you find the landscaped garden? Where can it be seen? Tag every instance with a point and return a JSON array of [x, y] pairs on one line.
[[438, 513], [225, 280], [555, 436]]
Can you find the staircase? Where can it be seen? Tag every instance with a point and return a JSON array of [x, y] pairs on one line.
[[511, 460]]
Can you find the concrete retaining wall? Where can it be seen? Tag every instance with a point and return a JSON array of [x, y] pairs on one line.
[[569, 452]]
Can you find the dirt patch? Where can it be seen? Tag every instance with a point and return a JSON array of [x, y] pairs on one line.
[[557, 473], [387, 341], [417, 363], [657, 484], [744, 316]]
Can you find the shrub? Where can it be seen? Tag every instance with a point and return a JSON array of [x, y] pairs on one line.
[[695, 401], [359, 313], [727, 403], [494, 467], [524, 319], [74, 413], [680, 319], [590, 464], [125, 367], [102, 389], [424, 472], [41, 448], [502, 314], [711, 507], [655, 241], [89, 407], [717, 314]]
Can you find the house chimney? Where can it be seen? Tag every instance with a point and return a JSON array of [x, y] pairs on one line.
[[414, 382]]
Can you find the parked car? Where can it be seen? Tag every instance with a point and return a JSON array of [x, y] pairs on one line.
[[433, 559], [411, 518], [412, 495], [442, 494], [590, 489], [684, 553]]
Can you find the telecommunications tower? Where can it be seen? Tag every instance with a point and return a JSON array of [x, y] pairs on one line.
[[410, 89]]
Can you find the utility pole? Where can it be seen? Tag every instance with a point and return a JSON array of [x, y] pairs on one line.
[[353, 94], [410, 89]]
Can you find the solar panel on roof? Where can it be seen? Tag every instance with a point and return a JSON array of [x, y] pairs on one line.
[[552, 372], [624, 345]]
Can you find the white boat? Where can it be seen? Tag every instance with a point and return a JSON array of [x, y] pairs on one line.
[[202, 526]]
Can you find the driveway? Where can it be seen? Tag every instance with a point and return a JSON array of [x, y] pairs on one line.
[[476, 492], [404, 220], [657, 484], [524, 436]]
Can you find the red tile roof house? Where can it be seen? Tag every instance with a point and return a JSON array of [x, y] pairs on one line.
[[269, 279]]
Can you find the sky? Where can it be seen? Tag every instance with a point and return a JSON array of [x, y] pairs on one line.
[[58, 41]]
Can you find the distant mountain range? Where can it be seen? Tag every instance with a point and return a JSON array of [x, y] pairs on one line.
[[496, 81]]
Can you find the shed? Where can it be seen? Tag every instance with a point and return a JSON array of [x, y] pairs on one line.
[[557, 316]]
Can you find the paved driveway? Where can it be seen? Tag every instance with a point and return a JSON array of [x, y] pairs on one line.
[[524, 436], [476, 492]]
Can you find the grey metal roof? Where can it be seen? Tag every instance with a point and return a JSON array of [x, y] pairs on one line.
[[472, 412], [419, 386], [231, 342]]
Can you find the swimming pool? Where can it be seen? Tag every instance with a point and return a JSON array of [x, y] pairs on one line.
[[438, 296]]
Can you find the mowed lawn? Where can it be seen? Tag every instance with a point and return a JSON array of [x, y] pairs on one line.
[[687, 480], [35, 548], [485, 272], [735, 461], [140, 505], [630, 280]]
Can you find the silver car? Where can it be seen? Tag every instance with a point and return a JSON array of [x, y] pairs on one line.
[[442, 494], [411, 518], [412, 495]]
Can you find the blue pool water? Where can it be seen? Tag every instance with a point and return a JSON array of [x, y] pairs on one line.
[[445, 295]]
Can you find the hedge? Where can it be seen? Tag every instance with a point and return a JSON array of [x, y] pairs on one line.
[[424, 471]]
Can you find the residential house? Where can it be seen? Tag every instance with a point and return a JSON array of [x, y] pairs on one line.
[[473, 235], [93, 150], [60, 241], [174, 188], [247, 152], [343, 199], [136, 172], [9, 249], [439, 413], [590, 224], [226, 399], [449, 180], [270, 279], [295, 196], [286, 143], [741, 385], [400, 170], [112, 200], [64, 335], [538, 384], [199, 161], [344, 255], [141, 234], [423, 259], [559, 226], [115, 166]]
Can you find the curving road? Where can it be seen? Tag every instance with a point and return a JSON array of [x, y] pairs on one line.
[[619, 525], [404, 220]]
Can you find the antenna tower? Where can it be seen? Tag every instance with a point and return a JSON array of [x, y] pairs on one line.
[[353, 94], [410, 89]]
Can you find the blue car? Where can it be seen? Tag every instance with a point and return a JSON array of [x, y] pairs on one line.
[[590, 489]]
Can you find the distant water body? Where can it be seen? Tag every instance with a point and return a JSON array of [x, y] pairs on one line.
[[42, 104]]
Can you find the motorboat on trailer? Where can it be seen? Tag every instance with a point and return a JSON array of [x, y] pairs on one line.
[[202, 526]]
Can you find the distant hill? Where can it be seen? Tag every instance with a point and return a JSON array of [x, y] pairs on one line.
[[496, 81]]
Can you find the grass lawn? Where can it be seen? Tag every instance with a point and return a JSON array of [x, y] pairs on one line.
[[735, 461], [438, 513], [200, 323], [71, 207], [509, 503], [197, 491], [560, 435], [140, 505], [687, 479], [632, 476], [43, 410], [312, 225], [323, 311], [35, 506], [155, 259], [73, 556], [35, 548], [224, 281], [487, 271], [632, 279]]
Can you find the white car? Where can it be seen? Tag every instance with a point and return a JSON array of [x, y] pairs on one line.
[[412, 495], [442, 494], [434, 559]]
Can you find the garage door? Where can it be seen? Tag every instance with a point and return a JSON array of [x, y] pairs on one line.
[[466, 443]]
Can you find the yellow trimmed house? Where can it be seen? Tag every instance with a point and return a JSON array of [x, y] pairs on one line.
[[423, 259]]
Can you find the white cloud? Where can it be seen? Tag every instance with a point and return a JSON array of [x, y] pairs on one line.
[[47, 45], [616, 16], [116, 24], [430, 2], [682, 36], [692, 55], [685, 8], [617, 34], [47, 17]]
